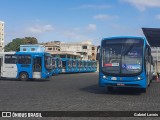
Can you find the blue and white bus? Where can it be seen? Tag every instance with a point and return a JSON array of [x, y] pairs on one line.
[[66, 65], [59, 65], [125, 62], [74, 65], [56, 65], [25, 65]]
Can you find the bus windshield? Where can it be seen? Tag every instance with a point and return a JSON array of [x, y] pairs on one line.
[[48, 61], [122, 56]]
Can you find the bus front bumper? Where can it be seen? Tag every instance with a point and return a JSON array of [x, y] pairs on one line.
[[134, 84]]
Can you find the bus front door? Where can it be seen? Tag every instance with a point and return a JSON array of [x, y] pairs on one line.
[[37, 67]]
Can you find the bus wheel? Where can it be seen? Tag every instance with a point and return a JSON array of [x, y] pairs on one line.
[[110, 89], [23, 76]]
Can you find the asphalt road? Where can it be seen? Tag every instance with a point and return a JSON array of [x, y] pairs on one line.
[[74, 92]]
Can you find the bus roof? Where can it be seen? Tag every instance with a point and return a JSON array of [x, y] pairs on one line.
[[121, 37], [32, 53], [2, 53], [127, 37]]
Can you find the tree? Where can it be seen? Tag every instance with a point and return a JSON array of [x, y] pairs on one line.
[[15, 44], [30, 40]]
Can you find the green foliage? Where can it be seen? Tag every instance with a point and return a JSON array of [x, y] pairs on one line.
[[15, 44]]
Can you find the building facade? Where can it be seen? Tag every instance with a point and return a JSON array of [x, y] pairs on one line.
[[32, 48], [53, 46], [1, 36], [84, 49], [94, 52]]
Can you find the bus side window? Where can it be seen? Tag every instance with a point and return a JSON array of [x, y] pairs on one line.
[[10, 59], [24, 59]]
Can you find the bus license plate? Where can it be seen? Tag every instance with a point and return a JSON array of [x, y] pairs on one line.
[[113, 78], [120, 84]]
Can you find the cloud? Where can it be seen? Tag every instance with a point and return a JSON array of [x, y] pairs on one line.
[[142, 5], [91, 27], [157, 16], [79, 33], [122, 30], [74, 33], [37, 29], [91, 6], [103, 17]]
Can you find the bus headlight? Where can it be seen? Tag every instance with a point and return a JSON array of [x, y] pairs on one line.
[[139, 78], [104, 77]]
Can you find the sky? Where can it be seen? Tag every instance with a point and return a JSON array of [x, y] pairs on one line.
[[77, 20]]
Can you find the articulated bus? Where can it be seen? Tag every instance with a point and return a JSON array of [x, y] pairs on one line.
[[25, 65], [125, 62]]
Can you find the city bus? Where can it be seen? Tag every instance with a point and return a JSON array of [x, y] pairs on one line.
[[25, 65], [66, 65], [74, 65], [59, 65], [86, 67], [125, 62], [82, 69], [54, 66]]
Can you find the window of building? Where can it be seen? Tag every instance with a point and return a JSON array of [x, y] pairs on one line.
[[10, 59], [93, 48], [24, 49], [32, 49], [84, 47], [24, 59], [49, 48]]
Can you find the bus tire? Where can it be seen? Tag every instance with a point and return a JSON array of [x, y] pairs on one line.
[[23, 76]]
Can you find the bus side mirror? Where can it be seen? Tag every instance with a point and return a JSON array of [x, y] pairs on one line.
[[98, 56], [98, 53]]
